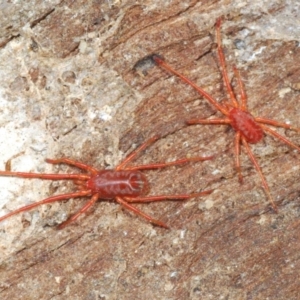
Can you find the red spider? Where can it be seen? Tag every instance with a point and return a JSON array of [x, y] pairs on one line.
[[124, 184], [249, 129]]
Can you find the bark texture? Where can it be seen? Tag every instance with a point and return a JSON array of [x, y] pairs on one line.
[[74, 83]]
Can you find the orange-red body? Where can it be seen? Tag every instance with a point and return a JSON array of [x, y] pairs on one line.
[[245, 123], [123, 183]]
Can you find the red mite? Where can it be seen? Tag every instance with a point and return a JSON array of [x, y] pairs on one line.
[[124, 184], [249, 129]]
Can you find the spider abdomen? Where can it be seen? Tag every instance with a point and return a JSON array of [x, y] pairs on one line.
[[245, 123], [122, 183]]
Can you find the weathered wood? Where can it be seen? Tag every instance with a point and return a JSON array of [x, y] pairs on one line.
[[70, 89]]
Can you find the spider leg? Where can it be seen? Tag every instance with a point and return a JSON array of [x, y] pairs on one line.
[[276, 124], [259, 171], [280, 137], [223, 65], [242, 89], [237, 148], [45, 176], [45, 201], [160, 62], [140, 213], [166, 197], [209, 121], [72, 162], [94, 198], [167, 164], [133, 154]]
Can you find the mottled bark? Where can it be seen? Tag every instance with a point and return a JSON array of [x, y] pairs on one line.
[[70, 88]]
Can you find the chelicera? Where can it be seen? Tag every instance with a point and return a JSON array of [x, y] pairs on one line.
[[248, 129], [125, 184]]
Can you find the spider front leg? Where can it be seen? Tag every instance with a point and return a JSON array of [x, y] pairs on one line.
[[133, 154], [168, 164], [74, 163], [80, 177]]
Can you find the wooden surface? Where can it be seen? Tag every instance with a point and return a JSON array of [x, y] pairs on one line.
[[70, 88]]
